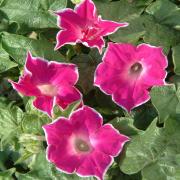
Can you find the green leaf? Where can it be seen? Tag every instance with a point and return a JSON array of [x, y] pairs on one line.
[[17, 46], [5, 62], [144, 115], [7, 175], [132, 33], [156, 34], [165, 12], [32, 123], [66, 112], [32, 14], [156, 152], [118, 10], [87, 65], [166, 100], [125, 126], [176, 59], [10, 119]]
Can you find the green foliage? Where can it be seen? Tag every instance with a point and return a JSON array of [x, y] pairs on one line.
[[30, 25], [31, 14], [156, 152], [166, 99], [17, 47]]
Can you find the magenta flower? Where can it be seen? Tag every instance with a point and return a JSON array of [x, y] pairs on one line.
[[50, 82], [127, 72], [82, 144], [82, 25]]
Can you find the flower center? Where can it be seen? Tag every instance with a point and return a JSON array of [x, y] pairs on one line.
[[81, 145], [90, 32], [48, 89], [136, 68]]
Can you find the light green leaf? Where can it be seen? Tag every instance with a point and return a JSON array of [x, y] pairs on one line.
[[10, 119], [32, 14], [156, 152], [66, 112], [17, 46], [5, 62], [118, 10], [7, 175], [166, 100], [125, 126], [131, 33], [160, 35], [176, 59], [165, 12]]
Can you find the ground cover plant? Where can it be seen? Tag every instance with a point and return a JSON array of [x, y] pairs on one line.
[[90, 89]]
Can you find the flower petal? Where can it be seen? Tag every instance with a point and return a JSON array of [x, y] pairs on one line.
[[130, 96], [97, 42], [110, 80], [86, 10], [118, 55], [96, 164], [67, 95], [57, 130], [109, 27], [66, 37], [44, 103], [112, 144], [25, 86], [62, 156], [153, 59], [59, 151], [62, 74], [70, 20], [88, 117]]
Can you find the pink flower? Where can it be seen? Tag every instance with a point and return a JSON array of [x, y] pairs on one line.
[[127, 72], [82, 25], [50, 82], [82, 144]]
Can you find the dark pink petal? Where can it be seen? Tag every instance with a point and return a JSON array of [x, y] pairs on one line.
[[44, 103], [66, 37], [97, 42], [57, 130], [111, 77], [87, 117], [25, 86], [62, 156], [153, 58], [62, 74], [96, 164], [109, 27], [86, 10], [66, 95], [151, 54], [36, 66], [131, 96], [118, 55], [44, 72], [112, 144], [71, 25], [70, 20]]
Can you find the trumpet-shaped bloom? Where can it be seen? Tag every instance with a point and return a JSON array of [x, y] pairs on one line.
[[83, 25], [82, 144], [50, 82], [128, 72]]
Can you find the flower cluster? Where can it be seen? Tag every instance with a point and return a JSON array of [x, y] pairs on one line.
[[77, 144]]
